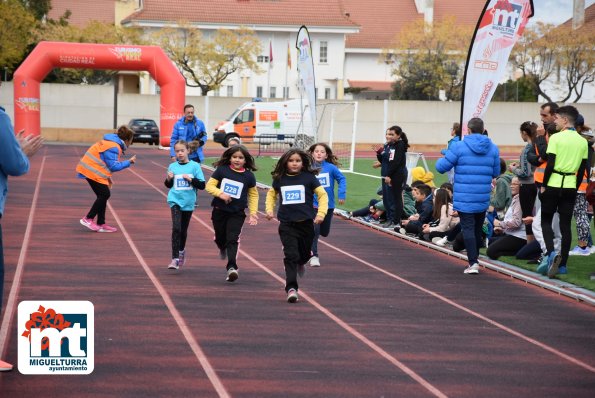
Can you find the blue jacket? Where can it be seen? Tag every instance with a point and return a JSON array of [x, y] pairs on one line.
[[111, 156], [329, 173], [476, 160], [13, 162], [189, 131]]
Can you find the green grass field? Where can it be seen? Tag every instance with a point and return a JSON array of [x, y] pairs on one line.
[[360, 189]]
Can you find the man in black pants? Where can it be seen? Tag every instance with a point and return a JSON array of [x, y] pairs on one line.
[[566, 155]]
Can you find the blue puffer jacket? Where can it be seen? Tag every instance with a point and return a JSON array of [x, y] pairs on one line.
[[476, 161]]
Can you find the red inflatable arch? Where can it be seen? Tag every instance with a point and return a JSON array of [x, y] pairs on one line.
[[48, 55]]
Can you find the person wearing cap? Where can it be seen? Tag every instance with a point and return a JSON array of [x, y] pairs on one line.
[[567, 154], [580, 204]]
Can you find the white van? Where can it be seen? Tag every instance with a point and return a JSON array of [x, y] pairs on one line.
[[254, 121]]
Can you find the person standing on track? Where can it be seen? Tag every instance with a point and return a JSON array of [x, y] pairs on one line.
[[184, 177], [233, 186], [96, 166], [476, 160], [329, 174], [14, 161], [192, 130], [295, 182]]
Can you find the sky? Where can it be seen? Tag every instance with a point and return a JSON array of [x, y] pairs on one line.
[[555, 11]]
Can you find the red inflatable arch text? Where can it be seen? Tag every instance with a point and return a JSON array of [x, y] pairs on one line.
[[48, 55]]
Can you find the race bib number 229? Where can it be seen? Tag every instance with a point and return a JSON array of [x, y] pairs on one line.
[[293, 194]]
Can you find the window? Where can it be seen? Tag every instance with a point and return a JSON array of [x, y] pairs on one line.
[[285, 92], [259, 91], [323, 52], [273, 92], [327, 93], [247, 115], [230, 91], [263, 59]]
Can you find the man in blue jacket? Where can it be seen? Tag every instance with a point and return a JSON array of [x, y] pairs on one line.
[[14, 161], [476, 161], [189, 128]]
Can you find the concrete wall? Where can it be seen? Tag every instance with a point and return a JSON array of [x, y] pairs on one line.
[[82, 113]]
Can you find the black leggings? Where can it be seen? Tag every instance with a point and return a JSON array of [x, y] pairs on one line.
[[98, 209], [179, 231], [527, 196], [397, 183]]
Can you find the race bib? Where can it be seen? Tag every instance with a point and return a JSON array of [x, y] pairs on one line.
[[180, 184], [391, 154], [324, 179], [232, 188], [293, 194]]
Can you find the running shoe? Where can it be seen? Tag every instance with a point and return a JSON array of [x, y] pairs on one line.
[[439, 241], [553, 264], [472, 269], [579, 251], [181, 257], [562, 270], [232, 275], [174, 264], [543, 265], [314, 261], [106, 228], [89, 223], [292, 296]]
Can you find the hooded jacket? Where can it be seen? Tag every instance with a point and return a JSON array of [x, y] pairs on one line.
[[476, 161]]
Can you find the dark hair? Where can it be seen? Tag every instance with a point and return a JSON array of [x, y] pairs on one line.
[[125, 133], [569, 112], [424, 189], [475, 125], [188, 106], [457, 128], [401, 134], [417, 183], [330, 157], [225, 158], [448, 186], [441, 198], [552, 105], [182, 142], [281, 166], [529, 128], [502, 166]]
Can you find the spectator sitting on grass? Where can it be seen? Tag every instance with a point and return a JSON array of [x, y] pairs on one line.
[[443, 220], [374, 213], [501, 196], [424, 205]]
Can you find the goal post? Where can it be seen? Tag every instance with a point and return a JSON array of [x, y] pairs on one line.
[[336, 126]]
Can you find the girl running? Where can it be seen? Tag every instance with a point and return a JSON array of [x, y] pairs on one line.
[[328, 174], [233, 186], [184, 177], [294, 180]]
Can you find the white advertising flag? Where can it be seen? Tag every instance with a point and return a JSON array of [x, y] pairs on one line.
[[500, 25], [305, 66]]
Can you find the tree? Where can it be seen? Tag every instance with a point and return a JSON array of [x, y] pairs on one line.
[[15, 25], [93, 32], [429, 58], [520, 90], [545, 53], [39, 8], [206, 63]]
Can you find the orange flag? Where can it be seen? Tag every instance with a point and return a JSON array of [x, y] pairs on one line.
[[288, 56]]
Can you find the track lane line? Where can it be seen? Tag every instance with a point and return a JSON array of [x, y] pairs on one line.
[[404, 368], [10, 308], [178, 318]]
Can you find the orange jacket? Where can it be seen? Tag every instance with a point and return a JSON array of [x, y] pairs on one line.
[[91, 165]]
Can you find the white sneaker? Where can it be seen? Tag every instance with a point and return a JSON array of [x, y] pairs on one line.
[[592, 249], [292, 296], [173, 264], [577, 251], [472, 269], [439, 241], [232, 275], [314, 261]]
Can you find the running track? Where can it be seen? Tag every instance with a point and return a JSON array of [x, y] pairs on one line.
[[381, 318]]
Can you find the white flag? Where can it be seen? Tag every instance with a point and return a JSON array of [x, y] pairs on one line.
[[305, 66]]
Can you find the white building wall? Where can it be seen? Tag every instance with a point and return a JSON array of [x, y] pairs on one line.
[[366, 66]]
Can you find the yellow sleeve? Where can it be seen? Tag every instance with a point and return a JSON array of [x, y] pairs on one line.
[[271, 200], [322, 201], [211, 187], [253, 200]]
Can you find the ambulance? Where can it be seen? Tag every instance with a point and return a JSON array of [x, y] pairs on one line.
[[257, 121]]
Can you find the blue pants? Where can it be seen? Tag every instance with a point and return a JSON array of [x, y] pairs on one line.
[[471, 226]]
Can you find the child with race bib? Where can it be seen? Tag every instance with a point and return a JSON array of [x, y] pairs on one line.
[[295, 182], [233, 186], [328, 175], [184, 177]]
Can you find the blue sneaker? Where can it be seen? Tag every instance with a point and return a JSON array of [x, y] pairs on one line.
[[562, 270], [543, 265], [553, 261]]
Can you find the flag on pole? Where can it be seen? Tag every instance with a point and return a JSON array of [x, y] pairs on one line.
[[288, 56], [271, 52], [500, 25]]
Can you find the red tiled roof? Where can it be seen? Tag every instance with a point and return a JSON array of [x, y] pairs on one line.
[[381, 20], [371, 85], [245, 12], [589, 25], [84, 11]]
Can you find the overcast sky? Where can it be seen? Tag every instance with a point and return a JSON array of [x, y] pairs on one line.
[[555, 11]]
